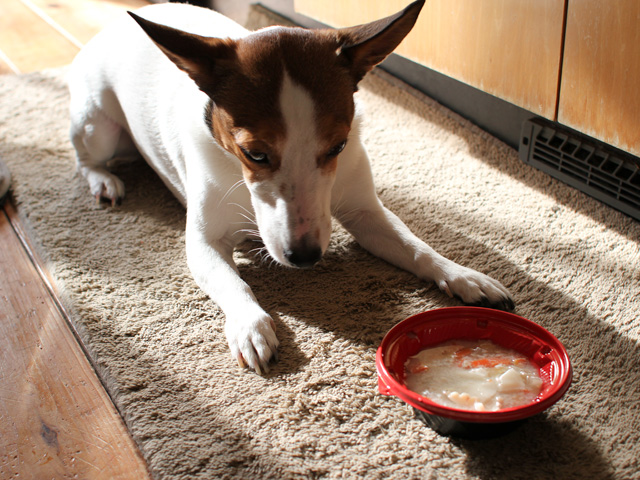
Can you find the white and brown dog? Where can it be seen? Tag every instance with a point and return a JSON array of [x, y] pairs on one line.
[[250, 125]]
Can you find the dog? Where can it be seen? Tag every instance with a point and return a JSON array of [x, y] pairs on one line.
[[257, 134]]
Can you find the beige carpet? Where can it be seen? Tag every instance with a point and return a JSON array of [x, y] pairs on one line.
[[571, 263]]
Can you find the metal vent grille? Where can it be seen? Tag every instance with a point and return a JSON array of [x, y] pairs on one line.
[[610, 176]]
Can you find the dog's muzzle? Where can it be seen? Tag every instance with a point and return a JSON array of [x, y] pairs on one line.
[[305, 254]]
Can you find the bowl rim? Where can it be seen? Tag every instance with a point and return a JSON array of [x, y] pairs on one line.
[[389, 385]]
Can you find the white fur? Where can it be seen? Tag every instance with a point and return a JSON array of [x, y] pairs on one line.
[[302, 207], [125, 93]]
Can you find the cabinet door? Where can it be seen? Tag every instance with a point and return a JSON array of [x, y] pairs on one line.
[[600, 88], [509, 48]]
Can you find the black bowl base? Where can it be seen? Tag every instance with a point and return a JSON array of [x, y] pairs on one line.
[[469, 430]]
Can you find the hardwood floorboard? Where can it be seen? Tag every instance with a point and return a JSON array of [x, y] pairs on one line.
[[6, 66], [83, 18], [56, 419], [26, 39]]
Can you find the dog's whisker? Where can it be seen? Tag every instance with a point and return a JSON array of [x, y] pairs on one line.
[[261, 254], [338, 203], [232, 189], [249, 220], [249, 215], [249, 223], [242, 207], [343, 216], [251, 233], [347, 216]]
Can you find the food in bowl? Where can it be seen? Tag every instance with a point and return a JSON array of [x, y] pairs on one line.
[[473, 375], [475, 324]]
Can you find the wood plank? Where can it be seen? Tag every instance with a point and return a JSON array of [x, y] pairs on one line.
[[599, 92], [82, 19], [6, 66], [56, 420], [508, 48], [26, 39]]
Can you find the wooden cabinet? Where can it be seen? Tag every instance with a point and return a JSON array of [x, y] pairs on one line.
[[509, 48], [600, 88], [576, 62]]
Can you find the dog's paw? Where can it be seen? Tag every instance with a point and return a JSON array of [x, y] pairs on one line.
[[252, 341], [105, 186], [474, 288]]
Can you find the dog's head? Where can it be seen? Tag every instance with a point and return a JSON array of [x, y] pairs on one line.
[[282, 103]]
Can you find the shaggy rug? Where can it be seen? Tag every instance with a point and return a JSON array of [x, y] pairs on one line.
[[571, 263]]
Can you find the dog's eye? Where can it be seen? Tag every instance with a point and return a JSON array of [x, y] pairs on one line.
[[255, 157], [335, 151]]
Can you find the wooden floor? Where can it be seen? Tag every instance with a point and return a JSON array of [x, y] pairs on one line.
[[56, 419]]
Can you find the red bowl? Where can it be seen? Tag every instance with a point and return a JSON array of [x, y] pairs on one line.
[[430, 328]]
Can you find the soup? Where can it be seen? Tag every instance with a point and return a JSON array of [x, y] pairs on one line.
[[473, 375]]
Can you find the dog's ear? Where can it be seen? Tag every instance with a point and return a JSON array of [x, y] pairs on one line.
[[365, 46], [204, 59]]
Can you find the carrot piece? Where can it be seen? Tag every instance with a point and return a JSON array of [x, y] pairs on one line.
[[463, 352], [503, 361], [483, 362], [490, 362], [418, 368], [460, 354]]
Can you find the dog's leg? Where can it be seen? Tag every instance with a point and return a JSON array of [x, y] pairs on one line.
[[382, 233], [249, 329], [96, 139]]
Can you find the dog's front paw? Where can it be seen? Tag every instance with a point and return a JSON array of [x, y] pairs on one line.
[[474, 288], [252, 341]]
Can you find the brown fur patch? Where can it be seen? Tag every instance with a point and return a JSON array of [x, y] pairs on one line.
[[312, 62], [246, 111], [328, 166]]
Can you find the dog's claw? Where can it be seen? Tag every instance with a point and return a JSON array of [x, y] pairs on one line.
[[241, 362], [444, 286], [259, 370], [115, 201], [506, 304], [259, 367]]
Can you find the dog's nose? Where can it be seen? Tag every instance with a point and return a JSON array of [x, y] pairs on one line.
[[303, 256]]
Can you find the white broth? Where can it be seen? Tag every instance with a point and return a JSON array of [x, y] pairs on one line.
[[473, 375]]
